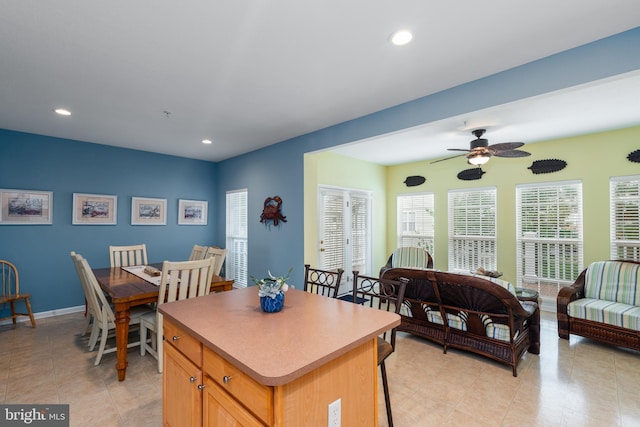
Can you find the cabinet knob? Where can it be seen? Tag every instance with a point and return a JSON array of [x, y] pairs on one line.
[[201, 387], [192, 379], [175, 338], [226, 379]]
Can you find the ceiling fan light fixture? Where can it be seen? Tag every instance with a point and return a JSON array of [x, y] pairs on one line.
[[402, 37], [478, 159]]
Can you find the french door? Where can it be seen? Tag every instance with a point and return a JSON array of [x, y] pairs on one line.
[[344, 233]]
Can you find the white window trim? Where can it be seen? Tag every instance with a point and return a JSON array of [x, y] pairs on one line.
[[532, 273], [624, 248], [473, 243], [235, 241], [427, 238]]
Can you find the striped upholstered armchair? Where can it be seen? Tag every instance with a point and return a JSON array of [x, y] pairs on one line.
[[408, 257]]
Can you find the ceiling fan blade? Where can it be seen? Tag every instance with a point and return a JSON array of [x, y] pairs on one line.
[[505, 146], [447, 158], [512, 153]]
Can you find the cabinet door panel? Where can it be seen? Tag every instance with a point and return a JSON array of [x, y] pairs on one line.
[[181, 399], [222, 410]]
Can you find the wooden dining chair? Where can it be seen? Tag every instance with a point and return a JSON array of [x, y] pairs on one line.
[[125, 256], [198, 252], [179, 281], [11, 292], [105, 320], [387, 295], [219, 255], [322, 282], [89, 314]]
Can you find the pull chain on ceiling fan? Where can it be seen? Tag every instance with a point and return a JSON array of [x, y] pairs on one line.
[[480, 151]]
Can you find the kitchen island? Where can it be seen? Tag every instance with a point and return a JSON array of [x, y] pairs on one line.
[[227, 363]]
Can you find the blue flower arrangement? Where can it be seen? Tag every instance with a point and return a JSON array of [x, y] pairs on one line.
[[272, 286]]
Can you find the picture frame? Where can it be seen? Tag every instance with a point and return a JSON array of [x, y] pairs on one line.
[[192, 212], [148, 211], [26, 207], [94, 209]]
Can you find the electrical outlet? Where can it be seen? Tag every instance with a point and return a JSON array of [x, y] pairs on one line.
[[334, 414]]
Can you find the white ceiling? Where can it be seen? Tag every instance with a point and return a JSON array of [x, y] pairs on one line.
[[595, 107], [161, 75]]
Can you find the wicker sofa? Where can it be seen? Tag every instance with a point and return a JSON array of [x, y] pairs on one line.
[[603, 304], [483, 315]]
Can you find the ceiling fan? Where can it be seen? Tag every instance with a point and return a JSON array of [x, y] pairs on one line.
[[480, 151]]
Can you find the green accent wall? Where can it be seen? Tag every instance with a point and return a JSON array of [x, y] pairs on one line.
[[591, 159], [331, 169]]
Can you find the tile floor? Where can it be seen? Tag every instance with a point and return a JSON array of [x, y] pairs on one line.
[[571, 383]]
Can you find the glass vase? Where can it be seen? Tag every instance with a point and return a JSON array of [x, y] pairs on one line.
[[272, 305]]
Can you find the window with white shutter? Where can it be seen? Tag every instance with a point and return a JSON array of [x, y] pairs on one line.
[[472, 229], [549, 238], [625, 217], [344, 230], [416, 225], [237, 237]]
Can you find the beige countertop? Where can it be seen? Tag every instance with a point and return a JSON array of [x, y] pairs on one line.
[[276, 348]]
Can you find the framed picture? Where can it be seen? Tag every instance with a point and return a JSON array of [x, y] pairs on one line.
[[145, 211], [94, 209], [26, 207], [192, 212]]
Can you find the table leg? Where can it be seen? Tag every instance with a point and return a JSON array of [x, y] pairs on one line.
[[122, 338]]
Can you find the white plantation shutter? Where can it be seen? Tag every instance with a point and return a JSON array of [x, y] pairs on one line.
[[624, 195], [345, 231], [416, 225], [472, 229], [333, 240], [360, 232], [237, 237], [549, 238]]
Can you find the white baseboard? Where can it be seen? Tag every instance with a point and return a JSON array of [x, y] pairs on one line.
[[44, 314]]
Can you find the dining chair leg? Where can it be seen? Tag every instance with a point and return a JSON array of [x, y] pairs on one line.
[[103, 343], [160, 355], [33, 320], [85, 329], [143, 339], [387, 400], [95, 333]]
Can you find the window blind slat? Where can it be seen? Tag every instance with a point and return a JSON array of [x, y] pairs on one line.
[[416, 225], [472, 229], [549, 247]]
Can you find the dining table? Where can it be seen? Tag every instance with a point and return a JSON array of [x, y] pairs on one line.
[[127, 290]]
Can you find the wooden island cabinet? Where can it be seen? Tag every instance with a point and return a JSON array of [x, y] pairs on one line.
[[229, 364]]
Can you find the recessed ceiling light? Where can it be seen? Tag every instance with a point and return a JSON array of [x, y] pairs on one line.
[[62, 111], [207, 141], [400, 38]]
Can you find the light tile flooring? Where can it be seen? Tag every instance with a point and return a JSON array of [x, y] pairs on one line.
[[571, 383]]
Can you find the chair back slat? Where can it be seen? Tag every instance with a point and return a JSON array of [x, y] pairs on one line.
[[96, 300], [380, 294], [185, 279], [219, 255], [322, 282], [198, 252], [10, 279], [126, 256]]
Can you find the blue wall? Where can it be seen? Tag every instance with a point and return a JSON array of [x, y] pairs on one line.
[[278, 169], [41, 252], [64, 167]]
